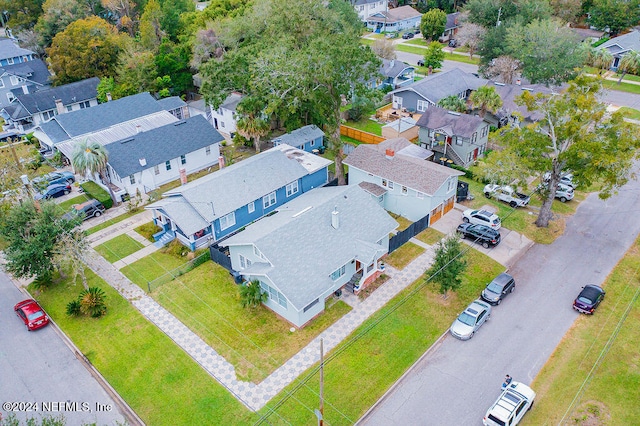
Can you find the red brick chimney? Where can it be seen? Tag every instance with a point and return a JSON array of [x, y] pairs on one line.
[[389, 153]]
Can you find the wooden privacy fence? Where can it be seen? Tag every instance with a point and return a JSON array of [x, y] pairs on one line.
[[403, 236], [359, 135]]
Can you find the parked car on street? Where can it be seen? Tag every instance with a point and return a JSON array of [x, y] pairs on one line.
[[481, 217], [470, 320], [506, 194], [31, 314], [565, 179], [511, 406], [407, 36], [589, 299], [421, 62], [54, 178], [53, 191], [86, 210], [498, 289], [564, 192], [481, 234]]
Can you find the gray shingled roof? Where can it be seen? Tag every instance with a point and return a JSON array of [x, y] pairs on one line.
[[393, 68], [421, 175], [35, 71], [626, 42], [45, 100], [81, 122], [159, 145], [372, 188], [304, 249], [226, 190], [460, 124], [231, 102], [171, 103], [443, 84], [452, 21], [395, 15], [300, 136], [10, 49], [509, 92]]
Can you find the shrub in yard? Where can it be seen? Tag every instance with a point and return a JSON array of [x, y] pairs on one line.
[[176, 249], [92, 302], [467, 173], [74, 308], [94, 190], [251, 295]]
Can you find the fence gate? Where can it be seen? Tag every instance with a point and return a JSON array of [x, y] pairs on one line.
[[220, 257], [402, 237]]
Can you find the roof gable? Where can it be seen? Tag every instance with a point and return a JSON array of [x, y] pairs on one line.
[[45, 100], [299, 137], [441, 85], [459, 124], [10, 49], [626, 42]]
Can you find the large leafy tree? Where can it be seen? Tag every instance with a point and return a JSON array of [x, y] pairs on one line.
[[617, 15], [575, 134], [548, 50], [433, 23], [86, 48], [486, 99], [32, 234], [433, 55], [302, 74], [151, 32], [471, 35], [448, 264], [22, 13], [57, 15]]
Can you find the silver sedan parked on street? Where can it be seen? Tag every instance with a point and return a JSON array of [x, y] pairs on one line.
[[469, 321]]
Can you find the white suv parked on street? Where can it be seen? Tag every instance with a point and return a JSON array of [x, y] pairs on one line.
[[481, 217], [511, 406]]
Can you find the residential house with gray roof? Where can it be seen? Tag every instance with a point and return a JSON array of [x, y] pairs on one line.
[[621, 45], [312, 247], [510, 111], [423, 94], [450, 27], [22, 78], [394, 20], [400, 177], [11, 53], [224, 118], [366, 8], [146, 160], [461, 138], [394, 74], [307, 138], [217, 205], [29, 110]]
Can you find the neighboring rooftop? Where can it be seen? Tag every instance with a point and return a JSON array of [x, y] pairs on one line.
[[452, 21], [232, 101], [393, 68], [404, 167], [623, 43], [509, 92], [300, 136], [151, 148], [395, 15], [291, 239], [35, 71], [454, 123], [10, 49], [443, 84], [171, 103]]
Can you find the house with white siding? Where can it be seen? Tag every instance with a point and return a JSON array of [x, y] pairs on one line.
[[312, 247]]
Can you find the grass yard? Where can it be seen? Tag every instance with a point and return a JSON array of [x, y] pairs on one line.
[[151, 267], [118, 248], [366, 124], [363, 367], [622, 87], [404, 47], [630, 113], [404, 255], [430, 236], [256, 341], [612, 390], [403, 222], [65, 206], [107, 223], [144, 366], [147, 230]]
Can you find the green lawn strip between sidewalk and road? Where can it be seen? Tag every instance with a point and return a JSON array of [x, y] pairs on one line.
[[357, 377], [622, 87], [118, 248], [631, 113], [160, 382], [254, 340], [108, 222], [608, 394]]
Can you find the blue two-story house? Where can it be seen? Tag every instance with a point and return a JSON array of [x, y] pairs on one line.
[[215, 206], [306, 138]]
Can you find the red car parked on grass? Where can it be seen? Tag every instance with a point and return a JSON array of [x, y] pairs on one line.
[[31, 314]]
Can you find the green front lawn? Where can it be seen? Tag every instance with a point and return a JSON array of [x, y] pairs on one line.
[[118, 248], [151, 267], [162, 384], [612, 389], [430, 236], [65, 206], [622, 87], [256, 341], [404, 255], [404, 47], [107, 223], [372, 358], [366, 124], [630, 113]]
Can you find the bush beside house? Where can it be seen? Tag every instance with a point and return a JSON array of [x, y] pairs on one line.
[[93, 190]]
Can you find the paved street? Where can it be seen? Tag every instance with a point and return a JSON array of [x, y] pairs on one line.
[[37, 367], [458, 381]]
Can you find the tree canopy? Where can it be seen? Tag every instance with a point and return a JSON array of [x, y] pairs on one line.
[[616, 15], [56, 16], [433, 23]]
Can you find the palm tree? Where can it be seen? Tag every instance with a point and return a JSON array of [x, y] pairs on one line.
[[91, 158], [486, 99], [252, 124], [630, 63], [251, 294], [600, 58], [453, 103]]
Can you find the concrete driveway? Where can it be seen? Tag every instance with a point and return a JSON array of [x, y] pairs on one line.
[[512, 244]]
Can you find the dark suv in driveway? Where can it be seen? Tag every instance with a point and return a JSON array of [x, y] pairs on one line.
[[498, 289], [480, 234], [88, 209]]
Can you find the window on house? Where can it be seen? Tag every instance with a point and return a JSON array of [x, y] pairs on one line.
[[222, 124], [404, 190], [390, 185], [207, 150], [85, 104], [485, 131], [281, 300], [14, 80], [227, 221], [25, 58], [361, 8], [269, 200], [48, 115], [292, 188], [183, 159], [338, 272], [422, 106], [10, 97], [167, 165], [251, 207], [451, 185], [310, 305], [474, 137], [132, 179], [156, 169], [419, 194], [1, 82], [10, 61], [244, 262], [459, 140], [469, 157], [69, 108]]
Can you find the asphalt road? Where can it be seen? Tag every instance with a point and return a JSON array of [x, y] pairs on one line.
[[458, 381], [39, 370]]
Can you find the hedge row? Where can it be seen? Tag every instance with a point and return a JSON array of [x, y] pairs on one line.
[[94, 190]]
